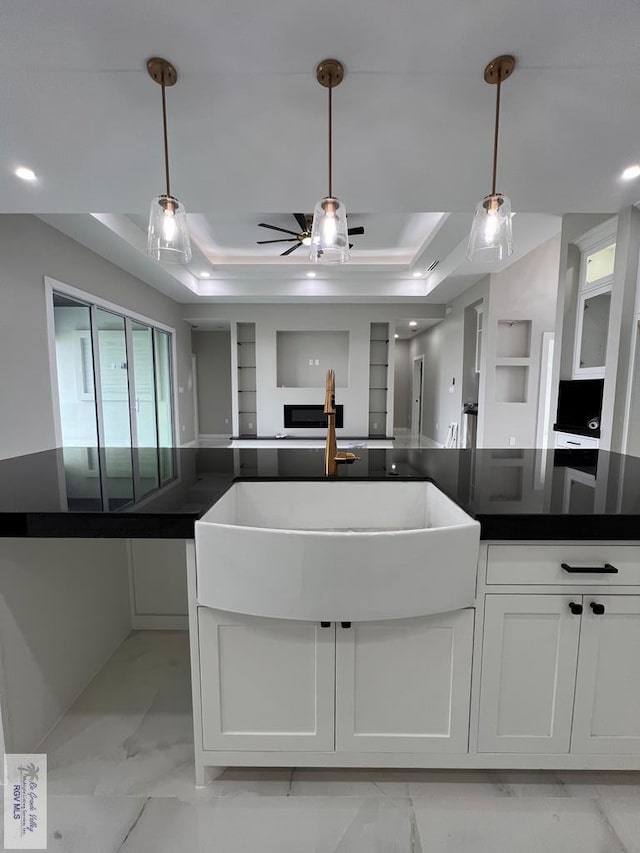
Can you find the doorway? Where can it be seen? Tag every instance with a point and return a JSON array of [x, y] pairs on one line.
[[416, 394]]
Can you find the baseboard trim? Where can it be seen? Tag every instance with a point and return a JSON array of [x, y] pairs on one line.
[[191, 443], [159, 622], [213, 436]]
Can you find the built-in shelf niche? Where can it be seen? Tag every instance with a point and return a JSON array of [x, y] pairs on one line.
[[511, 383], [303, 358], [246, 368], [514, 339], [378, 378]]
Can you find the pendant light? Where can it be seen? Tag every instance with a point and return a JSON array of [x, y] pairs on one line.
[[168, 235], [491, 237], [329, 234]]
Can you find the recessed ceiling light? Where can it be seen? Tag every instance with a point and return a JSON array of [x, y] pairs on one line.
[[413, 324], [205, 274], [25, 174], [417, 274], [311, 274], [631, 172], [396, 335]]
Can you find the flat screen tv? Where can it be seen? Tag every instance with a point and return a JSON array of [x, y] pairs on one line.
[[579, 403]]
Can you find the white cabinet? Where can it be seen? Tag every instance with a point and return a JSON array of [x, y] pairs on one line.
[[536, 648], [528, 673], [397, 686], [606, 716], [404, 685], [598, 250], [266, 684]]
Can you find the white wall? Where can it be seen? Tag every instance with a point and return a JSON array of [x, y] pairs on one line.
[[213, 359], [442, 347], [64, 609], [402, 386], [269, 319], [527, 290], [29, 250]]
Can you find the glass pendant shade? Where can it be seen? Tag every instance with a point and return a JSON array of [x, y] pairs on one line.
[[168, 237], [491, 237], [329, 236]]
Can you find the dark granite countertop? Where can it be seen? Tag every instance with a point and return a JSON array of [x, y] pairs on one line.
[[515, 494]]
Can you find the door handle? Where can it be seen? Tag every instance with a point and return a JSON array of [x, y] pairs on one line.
[[346, 624], [598, 609], [576, 609], [325, 624]]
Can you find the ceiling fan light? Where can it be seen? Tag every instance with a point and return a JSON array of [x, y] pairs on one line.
[[329, 232], [168, 235], [491, 237]]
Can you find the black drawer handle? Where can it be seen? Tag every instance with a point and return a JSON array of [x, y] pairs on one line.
[[575, 443], [346, 624], [576, 609], [598, 609], [607, 569], [325, 624]]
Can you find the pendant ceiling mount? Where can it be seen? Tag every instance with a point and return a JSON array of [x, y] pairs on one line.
[[499, 69], [330, 73], [162, 71]]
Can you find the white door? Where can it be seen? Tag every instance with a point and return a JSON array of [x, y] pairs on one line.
[[529, 658], [416, 391], [267, 684], [606, 718], [404, 685]]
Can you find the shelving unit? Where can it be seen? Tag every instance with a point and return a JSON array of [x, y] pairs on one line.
[[246, 367], [513, 359], [378, 378]]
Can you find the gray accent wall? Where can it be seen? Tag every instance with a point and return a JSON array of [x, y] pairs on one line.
[[213, 364], [30, 250]]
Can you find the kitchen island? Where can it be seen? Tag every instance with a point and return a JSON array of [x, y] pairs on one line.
[[540, 672]]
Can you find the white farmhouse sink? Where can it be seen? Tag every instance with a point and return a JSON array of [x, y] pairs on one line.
[[336, 551]]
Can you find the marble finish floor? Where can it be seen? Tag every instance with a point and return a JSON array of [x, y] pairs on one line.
[[121, 779]]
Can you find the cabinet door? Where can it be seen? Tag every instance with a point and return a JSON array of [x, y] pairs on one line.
[[404, 685], [606, 718], [529, 658], [266, 683]]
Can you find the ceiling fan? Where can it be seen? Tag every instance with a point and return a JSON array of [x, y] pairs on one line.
[[301, 238]]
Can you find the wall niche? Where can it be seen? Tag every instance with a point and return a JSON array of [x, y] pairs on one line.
[[303, 358]]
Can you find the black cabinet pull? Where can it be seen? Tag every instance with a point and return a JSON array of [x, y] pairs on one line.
[[576, 609], [346, 624], [607, 569], [325, 624], [598, 609]]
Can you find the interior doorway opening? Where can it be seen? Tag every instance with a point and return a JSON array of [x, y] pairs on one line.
[[417, 390]]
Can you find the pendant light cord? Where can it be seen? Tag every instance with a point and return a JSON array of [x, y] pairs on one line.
[[495, 136], [166, 139], [330, 145]]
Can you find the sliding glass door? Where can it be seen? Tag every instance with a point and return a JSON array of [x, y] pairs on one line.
[[115, 400]]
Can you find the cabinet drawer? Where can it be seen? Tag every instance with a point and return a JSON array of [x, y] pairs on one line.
[[542, 564], [575, 442]]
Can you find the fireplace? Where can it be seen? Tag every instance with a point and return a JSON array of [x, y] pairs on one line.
[[309, 417]]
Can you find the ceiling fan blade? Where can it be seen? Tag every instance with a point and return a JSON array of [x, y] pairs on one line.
[[284, 240], [301, 220], [289, 250], [275, 228], [358, 230]]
